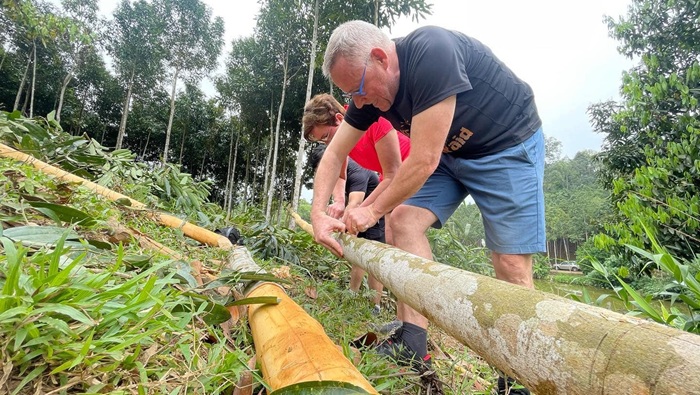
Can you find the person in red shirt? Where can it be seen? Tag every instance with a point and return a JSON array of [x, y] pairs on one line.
[[381, 149]]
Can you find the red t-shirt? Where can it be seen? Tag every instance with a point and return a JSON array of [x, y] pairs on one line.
[[365, 152]]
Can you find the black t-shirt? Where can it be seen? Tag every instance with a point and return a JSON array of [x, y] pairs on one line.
[[495, 110], [359, 179]]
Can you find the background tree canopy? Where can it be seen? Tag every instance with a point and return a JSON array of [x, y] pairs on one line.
[[116, 80]]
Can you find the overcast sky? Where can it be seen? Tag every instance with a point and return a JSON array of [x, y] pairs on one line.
[[561, 48]]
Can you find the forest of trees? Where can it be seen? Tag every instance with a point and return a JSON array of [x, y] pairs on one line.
[[245, 139]]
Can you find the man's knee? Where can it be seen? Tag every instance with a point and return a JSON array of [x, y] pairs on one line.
[[409, 220]]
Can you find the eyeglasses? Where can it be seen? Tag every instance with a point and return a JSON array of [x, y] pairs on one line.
[[324, 139], [359, 92]]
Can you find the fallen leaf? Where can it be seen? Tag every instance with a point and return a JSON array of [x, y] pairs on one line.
[[282, 272], [311, 292], [245, 383]]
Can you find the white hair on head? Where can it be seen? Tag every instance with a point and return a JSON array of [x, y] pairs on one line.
[[353, 42]]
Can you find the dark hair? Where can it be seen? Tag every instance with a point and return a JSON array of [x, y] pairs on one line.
[[316, 155], [320, 110]]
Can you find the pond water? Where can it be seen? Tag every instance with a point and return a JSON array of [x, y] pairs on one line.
[[609, 303]]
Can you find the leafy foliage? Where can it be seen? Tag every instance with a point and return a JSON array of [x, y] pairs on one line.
[[651, 160], [85, 157], [685, 287]]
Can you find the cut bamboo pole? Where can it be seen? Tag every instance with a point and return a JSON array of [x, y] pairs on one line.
[[193, 231], [550, 344], [293, 350]]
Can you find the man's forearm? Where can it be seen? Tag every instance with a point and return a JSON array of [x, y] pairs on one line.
[[324, 183], [408, 180]]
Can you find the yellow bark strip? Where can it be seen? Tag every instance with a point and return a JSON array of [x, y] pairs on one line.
[[195, 232], [291, 346], [550, 344]]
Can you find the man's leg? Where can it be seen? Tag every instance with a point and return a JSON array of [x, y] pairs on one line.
[[356, 275], [409, 225], [377, 287], [513, 268]]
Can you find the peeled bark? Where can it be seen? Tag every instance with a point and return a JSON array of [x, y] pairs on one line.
[[292, 348], [552, 345]]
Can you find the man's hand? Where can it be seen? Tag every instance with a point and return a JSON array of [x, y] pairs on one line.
[[324, 226], [336, 210], [360, 219]]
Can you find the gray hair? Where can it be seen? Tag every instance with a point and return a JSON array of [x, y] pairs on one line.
[[353, 42]]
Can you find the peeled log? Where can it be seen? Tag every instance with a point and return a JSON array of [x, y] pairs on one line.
[[550, 344], [193, 231], [292, 348]]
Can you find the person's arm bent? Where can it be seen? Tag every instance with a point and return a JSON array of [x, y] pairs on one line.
[[429, 131], [355, 199], [326, 176], [337, 208], [389, 154]]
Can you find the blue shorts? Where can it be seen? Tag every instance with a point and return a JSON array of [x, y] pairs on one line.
[[507, 188]]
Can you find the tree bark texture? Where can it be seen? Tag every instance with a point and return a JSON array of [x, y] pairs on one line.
[[550, 344]]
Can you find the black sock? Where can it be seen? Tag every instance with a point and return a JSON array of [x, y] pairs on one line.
[[416, 338]]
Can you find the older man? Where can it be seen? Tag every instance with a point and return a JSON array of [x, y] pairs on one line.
[[474, 130]]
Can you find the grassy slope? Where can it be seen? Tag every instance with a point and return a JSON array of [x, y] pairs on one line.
[[119, 320]]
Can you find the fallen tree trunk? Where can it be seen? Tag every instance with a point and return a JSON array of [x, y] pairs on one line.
[[550, 344], [193, 231], [292, 348]]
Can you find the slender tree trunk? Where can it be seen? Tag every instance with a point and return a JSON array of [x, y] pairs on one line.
[[268, 158], [170, 118], [201, 165], [145, 146], [80, 118], [246, 178], [125, 111], [229, 180], [376, 12], [233, 179], [21, 84], [27, 94], [299, 170], [66, 81], [253, 192], [31, 100], [277, 136], [228, 173], [182, 144], [2, 61]]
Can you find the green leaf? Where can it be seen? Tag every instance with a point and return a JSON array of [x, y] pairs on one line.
[[66, 214], [642, 303], [255, 300], [39, 235], [79, 358], [55, 308], [29, 378], [214, 313]]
